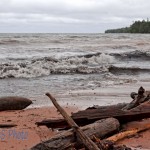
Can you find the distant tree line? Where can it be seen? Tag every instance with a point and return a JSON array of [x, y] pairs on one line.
[[137, 27]]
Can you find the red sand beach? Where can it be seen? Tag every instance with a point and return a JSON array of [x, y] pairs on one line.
[[26, 134]]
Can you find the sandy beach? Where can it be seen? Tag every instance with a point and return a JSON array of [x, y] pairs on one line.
[[26, 134]]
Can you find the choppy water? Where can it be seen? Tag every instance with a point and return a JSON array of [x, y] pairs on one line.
[[73, 65]]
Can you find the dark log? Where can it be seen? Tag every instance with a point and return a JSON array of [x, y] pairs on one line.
[[91, 115], [117, 106], [14, 103], [7, 125], [51, 123], [99, 129], [138, 98], [140, 112], [88, 143]]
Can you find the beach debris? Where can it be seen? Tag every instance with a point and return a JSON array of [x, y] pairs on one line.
[[76, 137], [7, 125], [100, 124], [128, 133], [14, 103], [99, 129], [138, 98], [88, 143], [117, 106], [88, 116]]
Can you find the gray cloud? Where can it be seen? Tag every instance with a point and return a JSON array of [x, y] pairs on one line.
[[69, 15]]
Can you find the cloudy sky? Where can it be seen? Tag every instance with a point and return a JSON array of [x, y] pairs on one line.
[[70, 15]]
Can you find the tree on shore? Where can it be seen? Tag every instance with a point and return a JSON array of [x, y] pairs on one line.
[[137, 27]]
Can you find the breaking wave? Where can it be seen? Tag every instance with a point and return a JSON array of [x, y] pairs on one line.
[[10, 41], [135, 55], [128, 70], [86, 64]]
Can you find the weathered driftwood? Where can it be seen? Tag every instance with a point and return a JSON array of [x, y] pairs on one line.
[[14, 103], [88, 143], [51, 123], [116, 106], [128, 133], [112, 146], [109, 145], [99, 129], [7, 125], [138, 98], [91, 115]]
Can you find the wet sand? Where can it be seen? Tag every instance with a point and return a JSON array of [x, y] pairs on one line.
[[102, 96]]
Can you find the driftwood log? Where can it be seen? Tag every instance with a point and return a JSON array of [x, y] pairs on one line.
[[14, 103], [138, 98], [91, 115], [117, 106], [7, 125], [99, 129], [50, 123], [88, 143], [128, 133]]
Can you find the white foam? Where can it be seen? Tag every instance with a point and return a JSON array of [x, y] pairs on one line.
[[47, 66]]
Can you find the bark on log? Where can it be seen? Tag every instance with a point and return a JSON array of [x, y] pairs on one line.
[[98, 129], [89, 144], [91, 115]]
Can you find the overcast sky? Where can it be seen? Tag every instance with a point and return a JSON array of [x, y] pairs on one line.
[[70, 15]]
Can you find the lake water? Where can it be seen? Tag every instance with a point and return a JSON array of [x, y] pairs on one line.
[[78, 69]]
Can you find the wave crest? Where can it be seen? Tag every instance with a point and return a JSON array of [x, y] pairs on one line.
[[135, 55], [91, 63]]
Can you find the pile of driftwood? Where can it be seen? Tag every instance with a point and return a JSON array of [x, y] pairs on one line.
[[98, 125]]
